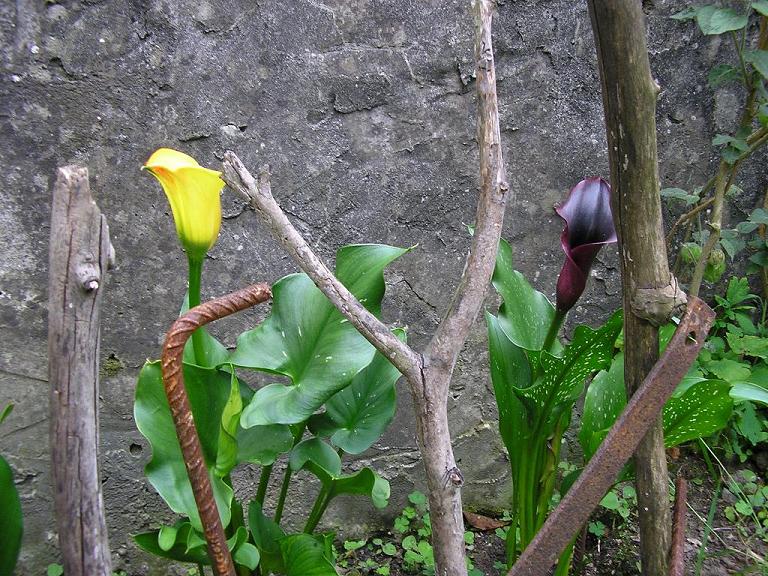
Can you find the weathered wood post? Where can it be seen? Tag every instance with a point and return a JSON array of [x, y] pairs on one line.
[[650, 293], [80, 253]]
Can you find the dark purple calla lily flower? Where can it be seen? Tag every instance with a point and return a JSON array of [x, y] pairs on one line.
[[588, 227]]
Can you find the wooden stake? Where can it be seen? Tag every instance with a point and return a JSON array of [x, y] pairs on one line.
[[79, 257], [649, 291]]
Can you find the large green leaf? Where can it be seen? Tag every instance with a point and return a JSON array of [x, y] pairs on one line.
[[526, 314], [208, 390], [263, 444], [306, 339], [10, 520], [305, 555], [564, 378], [715, 20], [510, 370], [357, 416], [604, 401], [702, 410]]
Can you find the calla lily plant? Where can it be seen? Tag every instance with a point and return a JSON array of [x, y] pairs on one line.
[[193, 193], [536, 378]]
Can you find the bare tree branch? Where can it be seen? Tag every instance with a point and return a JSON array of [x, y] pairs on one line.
[[259, 194], [454, 329], [429, 376]]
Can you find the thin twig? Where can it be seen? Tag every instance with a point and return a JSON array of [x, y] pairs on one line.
[[469, 296]]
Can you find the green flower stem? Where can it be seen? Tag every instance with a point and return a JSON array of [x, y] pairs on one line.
[[283, 493], [321, 503], [554, 329], [200, 569], [237, 519], [261, 491], [297, 431], [195, 275]]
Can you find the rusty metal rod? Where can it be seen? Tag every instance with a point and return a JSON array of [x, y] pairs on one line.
[[191, 449], [602, 470], [677, 553]]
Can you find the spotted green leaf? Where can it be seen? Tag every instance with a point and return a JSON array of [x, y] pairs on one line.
[[604, 401], [702, 410], [564, 378]]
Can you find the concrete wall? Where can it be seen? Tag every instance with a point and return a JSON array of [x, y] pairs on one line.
[[365, 110]]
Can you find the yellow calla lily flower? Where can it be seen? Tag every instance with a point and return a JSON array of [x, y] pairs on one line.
[[193, 192]]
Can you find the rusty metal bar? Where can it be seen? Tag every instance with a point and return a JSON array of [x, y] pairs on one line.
[[602, 470], [173, 380], [677, 553]]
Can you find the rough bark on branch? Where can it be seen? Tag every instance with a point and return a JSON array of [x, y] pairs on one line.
[[629, 99], [78, 262], [428, 374]]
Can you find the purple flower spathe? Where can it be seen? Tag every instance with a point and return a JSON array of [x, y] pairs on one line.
[[588, 227]]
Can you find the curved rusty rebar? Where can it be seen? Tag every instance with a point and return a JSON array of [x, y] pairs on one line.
[[191, 449]]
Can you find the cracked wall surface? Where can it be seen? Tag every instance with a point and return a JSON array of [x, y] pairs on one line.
[[365, 111]]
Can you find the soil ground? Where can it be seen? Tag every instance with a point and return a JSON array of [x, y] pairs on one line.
[[732, 548]]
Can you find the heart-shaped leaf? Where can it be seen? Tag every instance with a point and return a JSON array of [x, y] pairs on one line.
[[702, 410], [357, 416], [10, 519], [263, 444], [316, 456], [526, 314], [208, 390], [308, 340], [322, 460], [304, 555], [715, 20]]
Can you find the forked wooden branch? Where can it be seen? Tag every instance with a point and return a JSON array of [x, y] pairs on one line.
[[191, 449], [79, 258], [429, 374]]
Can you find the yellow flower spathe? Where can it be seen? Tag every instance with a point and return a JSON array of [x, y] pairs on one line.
[[193, 192]]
